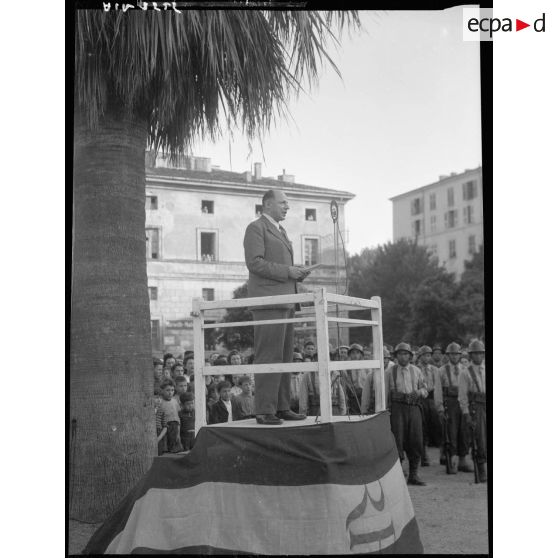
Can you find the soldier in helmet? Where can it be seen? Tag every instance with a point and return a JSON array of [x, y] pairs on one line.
[[445, 399], [431, 427], [406, 388], [472, 400], [353, 380]]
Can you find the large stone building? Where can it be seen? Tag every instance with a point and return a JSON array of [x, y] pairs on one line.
[[445, 216], [196, 215]]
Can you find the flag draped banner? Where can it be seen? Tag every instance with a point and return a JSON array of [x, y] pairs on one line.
[[331, 488]]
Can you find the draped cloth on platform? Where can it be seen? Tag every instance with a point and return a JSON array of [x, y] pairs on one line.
[[332, 488]]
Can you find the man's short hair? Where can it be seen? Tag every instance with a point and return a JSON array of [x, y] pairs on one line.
[[175, 365], [222, 385], [244, 379], [180, 379], [309, 343], [269, 195]]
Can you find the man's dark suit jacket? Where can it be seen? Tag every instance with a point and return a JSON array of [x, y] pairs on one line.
[[218, 413], [269, 254]]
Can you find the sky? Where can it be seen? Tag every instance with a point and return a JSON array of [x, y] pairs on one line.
[[406, 110]]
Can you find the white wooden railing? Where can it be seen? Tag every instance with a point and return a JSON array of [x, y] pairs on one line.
[[321, 299]]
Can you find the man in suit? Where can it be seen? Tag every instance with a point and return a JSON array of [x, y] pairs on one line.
[[269, 257]]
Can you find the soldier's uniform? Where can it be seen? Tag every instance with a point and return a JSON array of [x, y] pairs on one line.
[[353, 382], [309, 395], [405, 390], [445, 396], [431, 427], [472, 400]]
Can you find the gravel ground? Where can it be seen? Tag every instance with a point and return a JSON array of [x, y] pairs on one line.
[[451, 512]]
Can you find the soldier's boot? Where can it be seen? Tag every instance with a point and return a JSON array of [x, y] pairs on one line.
[[442, 456], [424, 461], [453, 465], [482, 472], [463, 466], [413, 475]]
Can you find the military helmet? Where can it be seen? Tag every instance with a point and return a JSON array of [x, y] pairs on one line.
[[476, 346], [356, 347], [425, 349], [437, 347], [403, 347], [387, 354], [453, 348]]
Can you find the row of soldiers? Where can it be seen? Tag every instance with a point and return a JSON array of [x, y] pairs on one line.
[[436, 401], [443, 406]]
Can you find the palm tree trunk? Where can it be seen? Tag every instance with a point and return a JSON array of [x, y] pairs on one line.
[[112, 426]]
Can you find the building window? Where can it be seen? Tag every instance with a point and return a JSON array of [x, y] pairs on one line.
[[472, 245], [470, 190], [416, 206], [152, 244], [207, 206], [450, 197], [310, 214], [151, 203], [208, 246], [416, 227], [450, 218], [452, 250], [433, 223], [259, 209], [310, 251], [432, 201], [152, 293], [155, 334], [468, 214], [208, 294]]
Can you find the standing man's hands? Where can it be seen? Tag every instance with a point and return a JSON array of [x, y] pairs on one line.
[[298, 273]]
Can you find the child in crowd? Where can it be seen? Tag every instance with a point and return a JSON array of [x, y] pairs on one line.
[[187, 421], [157, 375], [177, 370], [167, 418], [181, 384], [243, 404], [221, 410], [236, 389]]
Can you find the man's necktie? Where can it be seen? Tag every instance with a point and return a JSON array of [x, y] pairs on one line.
[[284, 233]]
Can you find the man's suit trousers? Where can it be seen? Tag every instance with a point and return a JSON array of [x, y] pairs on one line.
[[273, 344]]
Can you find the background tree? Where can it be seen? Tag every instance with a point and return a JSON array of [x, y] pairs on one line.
[[434, 311], [239, 338], [392, 271], [471, 297], [156, 80]]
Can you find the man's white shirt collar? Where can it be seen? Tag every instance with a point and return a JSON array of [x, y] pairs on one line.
[[272, 220]]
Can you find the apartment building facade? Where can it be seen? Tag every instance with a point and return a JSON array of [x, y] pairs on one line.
[[445, 216]]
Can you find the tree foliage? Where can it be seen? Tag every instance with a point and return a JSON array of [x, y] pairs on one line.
[[186, 74], [392, 271], [238, 338], [421, 302], [471, 297]]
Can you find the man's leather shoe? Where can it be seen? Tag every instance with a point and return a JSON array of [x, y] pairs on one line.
[[290, 415], [268, 419]]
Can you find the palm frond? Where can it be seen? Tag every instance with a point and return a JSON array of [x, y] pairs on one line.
[[186, 73]]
